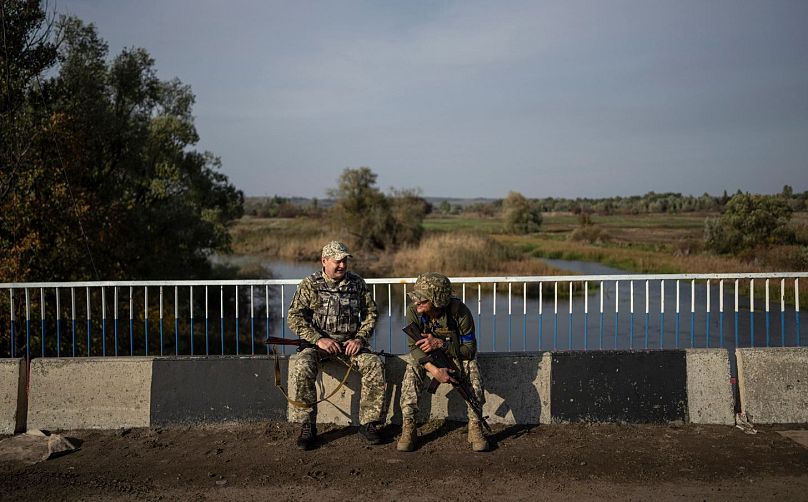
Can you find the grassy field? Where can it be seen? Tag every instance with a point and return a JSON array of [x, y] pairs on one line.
[[656, 243]]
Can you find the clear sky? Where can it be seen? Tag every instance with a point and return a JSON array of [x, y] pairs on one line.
[[474, 98]]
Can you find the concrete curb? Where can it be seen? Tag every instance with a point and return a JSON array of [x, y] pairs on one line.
[[521, 388], [90, 393], [13, 405], [709, 390], [773, 384]]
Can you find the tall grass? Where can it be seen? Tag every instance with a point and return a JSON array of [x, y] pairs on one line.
[[295, 239], [466, 254]]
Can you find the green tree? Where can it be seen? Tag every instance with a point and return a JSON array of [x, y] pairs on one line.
[[27, 51], [111, 186], [361, 209], [409, 210], [373, 220], [748, 221], [520, 215]]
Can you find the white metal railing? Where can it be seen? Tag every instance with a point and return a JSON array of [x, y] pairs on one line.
[[232, 317]]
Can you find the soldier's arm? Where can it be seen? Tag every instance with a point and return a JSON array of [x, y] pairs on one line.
[[416, 353], [370, 314], [300, 312], [468, 338]]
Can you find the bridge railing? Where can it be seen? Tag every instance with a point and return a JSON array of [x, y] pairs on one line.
[[233, 317]]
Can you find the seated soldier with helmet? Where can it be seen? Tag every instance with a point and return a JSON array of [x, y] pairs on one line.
[[448, 325]]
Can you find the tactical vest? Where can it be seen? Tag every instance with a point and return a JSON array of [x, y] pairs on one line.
[[338, 308], [452, 330]]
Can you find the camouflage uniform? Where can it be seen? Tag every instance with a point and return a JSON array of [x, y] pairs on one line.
[[340, 310], [455, 326]]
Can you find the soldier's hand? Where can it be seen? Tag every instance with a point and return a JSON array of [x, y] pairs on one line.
[[329, 345], [352, 347], [429, 343], [443, 375]]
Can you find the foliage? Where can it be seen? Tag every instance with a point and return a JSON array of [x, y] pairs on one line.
[[106, 183], [373, 220], [749, 221], [520, 215]]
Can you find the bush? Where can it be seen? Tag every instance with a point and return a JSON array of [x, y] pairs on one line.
[[521, 216], [375, 221], [749, 221]]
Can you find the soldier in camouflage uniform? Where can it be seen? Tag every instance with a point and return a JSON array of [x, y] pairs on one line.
[[334, 310], [448, 325]]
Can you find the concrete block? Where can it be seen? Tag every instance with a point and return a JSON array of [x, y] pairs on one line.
[[13, 405], [773, 384], [517, 387], [517, 390], [619, 386], [90, 393], [709, 391], [205, 390], [343, 407]]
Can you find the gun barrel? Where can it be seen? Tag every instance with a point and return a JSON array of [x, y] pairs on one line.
[[276, 340]]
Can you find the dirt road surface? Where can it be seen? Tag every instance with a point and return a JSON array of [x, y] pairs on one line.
[[259, 461]]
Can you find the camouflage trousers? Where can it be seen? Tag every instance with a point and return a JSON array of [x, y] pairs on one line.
[[413, 386], [304, 377]]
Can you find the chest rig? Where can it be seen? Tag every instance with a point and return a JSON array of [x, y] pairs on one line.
[[450, 333], [337, 313]]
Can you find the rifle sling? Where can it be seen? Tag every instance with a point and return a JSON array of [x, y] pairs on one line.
[[301, 404]]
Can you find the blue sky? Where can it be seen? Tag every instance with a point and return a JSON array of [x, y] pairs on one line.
[[476, 98]]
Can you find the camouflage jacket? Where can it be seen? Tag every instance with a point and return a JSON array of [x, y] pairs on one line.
[[339, 310], [455, 326]]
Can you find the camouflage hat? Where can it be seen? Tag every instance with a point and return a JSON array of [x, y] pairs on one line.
[[434, 287], [335, 250]]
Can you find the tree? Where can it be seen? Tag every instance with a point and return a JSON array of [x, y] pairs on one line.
[[409, 210], [26, 52], [374, 220], [110, 186], [748, 221], [361, 209], [520, 215]]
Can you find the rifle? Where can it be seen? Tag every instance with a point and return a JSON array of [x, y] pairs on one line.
[[442, 360], [303, 344]]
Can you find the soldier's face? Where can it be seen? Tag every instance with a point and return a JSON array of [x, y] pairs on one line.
[[423, 306], [335, 269]]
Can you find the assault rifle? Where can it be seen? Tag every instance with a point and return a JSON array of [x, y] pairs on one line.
[[303, 344], [442, 360]]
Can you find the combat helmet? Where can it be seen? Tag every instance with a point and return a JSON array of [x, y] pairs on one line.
[[434, 287]]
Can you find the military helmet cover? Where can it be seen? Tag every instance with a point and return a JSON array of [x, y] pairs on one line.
[[434, 287]]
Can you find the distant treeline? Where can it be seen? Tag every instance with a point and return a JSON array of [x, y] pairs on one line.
[[652, 202]]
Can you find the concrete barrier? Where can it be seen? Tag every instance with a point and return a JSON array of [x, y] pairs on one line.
[[619, 386], [709, 390], [521, 388], [90, 393], [773, 384], [216, 389], [516, 391], [13, 406]]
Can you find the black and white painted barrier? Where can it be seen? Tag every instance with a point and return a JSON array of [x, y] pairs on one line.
[[679, 386]]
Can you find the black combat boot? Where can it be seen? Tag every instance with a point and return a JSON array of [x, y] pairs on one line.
[[308, 435], [371, 434]]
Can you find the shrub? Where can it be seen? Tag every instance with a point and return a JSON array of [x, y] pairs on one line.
[[521, 215], [749, 221]]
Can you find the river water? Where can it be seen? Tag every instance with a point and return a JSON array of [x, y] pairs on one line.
[[559, 325]]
